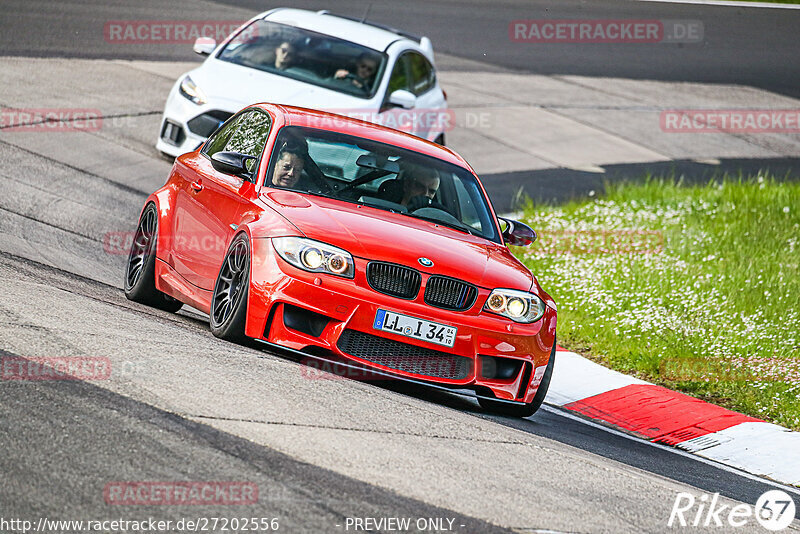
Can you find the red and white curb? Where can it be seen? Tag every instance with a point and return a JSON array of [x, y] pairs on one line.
[[664, 416]]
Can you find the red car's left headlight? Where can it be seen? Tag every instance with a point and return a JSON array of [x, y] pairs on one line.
[[315, 256], [519, 306]]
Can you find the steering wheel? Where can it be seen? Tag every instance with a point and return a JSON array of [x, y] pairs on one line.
[[422, 201]]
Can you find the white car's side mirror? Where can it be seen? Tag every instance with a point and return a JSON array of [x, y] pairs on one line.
[[402, 98], [204, 45]]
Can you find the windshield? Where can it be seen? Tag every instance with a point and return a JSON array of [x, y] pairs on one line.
[[307, 56], [358, 170]]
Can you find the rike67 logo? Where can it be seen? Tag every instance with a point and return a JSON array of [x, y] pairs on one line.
[[774, 511]]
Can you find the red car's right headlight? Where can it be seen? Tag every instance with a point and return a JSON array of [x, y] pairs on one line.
[[315, 256]]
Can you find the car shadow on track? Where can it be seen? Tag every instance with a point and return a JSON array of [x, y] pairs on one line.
[[322, 364]]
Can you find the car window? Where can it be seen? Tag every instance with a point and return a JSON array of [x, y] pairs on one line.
[[423, 77], [307, 56], [247, 134], [469, 213], [359, 170], [399, 78], [250, 136], [218, 140]]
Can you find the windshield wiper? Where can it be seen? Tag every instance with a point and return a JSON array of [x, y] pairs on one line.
[[459, 227]]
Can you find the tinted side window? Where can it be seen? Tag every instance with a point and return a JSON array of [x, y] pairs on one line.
[[399, 79], [247, 135], [422, 75], [216, 143], [251, 134]]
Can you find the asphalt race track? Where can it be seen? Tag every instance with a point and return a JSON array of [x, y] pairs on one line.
[[755, 47], [181, 405]]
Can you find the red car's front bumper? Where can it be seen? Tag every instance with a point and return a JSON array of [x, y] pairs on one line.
[[338, 314]]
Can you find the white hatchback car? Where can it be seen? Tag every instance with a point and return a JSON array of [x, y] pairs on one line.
[[309, 59]]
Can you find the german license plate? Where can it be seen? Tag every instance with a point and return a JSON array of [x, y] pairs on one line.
[[408, 326]]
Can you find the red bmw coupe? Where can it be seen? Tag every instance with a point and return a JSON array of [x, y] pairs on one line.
[[331, 236]]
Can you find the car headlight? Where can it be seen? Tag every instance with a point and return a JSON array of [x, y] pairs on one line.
[[314, 256], [191, 91], [519, 306]]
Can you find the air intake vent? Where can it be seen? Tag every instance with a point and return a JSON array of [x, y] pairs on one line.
[[449, 293], [394, 280], [404, 357]]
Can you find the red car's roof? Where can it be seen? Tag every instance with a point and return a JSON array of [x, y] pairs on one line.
[[312, 118]]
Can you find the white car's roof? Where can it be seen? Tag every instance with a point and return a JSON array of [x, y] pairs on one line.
[[355, 32]]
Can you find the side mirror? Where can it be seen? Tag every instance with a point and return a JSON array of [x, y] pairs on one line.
[[517, 233], [204, 45], [231, 163], [402, 99]]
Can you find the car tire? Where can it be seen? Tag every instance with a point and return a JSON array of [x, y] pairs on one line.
[[140, 278], [229, 300], [528, 409]]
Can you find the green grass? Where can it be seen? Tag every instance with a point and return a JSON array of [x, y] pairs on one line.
[[707, 303]]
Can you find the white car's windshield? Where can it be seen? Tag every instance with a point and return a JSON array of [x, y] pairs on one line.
[[382, 176], [307, 56]]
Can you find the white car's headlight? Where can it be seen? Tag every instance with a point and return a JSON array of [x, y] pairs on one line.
[[519, 306], [314, 256], [191, 91]]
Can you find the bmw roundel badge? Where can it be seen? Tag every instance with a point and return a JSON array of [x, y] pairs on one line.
[[425, 262]]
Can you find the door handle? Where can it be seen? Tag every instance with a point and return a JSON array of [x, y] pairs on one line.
[[197, 186]]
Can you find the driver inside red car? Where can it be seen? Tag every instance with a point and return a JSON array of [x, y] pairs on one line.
[[419, 182], [415, 187], [289, 166]]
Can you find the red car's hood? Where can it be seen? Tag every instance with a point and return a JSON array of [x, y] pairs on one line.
[[376, 234]]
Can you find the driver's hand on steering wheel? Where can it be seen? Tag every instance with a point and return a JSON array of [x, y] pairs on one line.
[[417, 202], [424, 201], [344, 74]]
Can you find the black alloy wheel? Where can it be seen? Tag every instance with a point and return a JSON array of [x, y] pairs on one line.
[[229, 300], [140, 269]]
